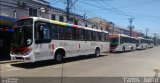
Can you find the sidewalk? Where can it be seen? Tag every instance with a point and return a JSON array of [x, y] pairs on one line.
[[7, 61]]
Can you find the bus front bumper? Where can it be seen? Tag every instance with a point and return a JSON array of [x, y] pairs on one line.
[[21, 58], [115, 50]]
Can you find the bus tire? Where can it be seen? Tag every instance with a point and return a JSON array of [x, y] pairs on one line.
[[131, 48], [58, 57], [123, 50], [97, 52]]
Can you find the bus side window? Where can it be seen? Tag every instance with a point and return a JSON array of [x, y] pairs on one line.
[[60, 32], [46, 34], [73, 33], [54, 31], [93, 36], [42, 33], [97, 36], [107, 37], [121, 40], [89, 35], [84, 34], [102, 36], [77, 34], [68, 33], [81, 34]]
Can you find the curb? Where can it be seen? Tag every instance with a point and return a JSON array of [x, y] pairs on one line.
[[7, 61]]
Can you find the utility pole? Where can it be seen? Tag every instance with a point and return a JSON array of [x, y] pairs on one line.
[[130, 25], [113, 28], [84, 16], [111, 24], [147, 29], [70, 4], [67, 10]]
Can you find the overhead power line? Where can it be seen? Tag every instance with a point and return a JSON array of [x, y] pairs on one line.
[[140, 16], [99, 0], [129, 13], [104, 8], [73, 3], [115, 10], [139, 4]]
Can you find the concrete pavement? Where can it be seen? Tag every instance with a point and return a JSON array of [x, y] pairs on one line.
[[144, 63]]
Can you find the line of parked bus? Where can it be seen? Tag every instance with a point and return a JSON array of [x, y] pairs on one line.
[[37, 39], [122, 43]]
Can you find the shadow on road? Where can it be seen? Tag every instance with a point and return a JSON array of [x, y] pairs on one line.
[[52, 62]]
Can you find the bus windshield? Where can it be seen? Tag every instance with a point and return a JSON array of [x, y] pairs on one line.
[[22, 34], [114, 41]]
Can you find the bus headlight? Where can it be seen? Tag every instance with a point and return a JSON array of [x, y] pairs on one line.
[[28, 52]]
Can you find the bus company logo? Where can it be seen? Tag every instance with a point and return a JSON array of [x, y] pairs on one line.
[[9, 80]]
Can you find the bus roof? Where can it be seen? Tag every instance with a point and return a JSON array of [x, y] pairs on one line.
[[118, 35], [64, 24], [87, 28]]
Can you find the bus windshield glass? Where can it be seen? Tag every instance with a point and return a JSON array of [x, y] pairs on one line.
[[22, 34], [114, 41]]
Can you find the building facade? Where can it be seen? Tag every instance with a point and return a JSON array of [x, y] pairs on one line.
[[99, 23], [113, 29]]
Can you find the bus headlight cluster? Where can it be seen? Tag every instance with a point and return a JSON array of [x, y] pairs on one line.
[[28, 52]]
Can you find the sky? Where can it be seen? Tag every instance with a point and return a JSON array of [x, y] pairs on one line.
[[146, 13]]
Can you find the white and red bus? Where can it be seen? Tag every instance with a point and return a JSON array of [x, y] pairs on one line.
[[122, 43], [150, 43], [144, 43], [36, 39]]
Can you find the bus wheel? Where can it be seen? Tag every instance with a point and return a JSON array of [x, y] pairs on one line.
[[97, 52], [58, 57], [131, 48], [123, 50]]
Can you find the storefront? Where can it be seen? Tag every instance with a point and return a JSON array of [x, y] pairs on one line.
[[6, 24]]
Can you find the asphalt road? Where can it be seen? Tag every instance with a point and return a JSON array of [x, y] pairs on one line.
[[142, 63]]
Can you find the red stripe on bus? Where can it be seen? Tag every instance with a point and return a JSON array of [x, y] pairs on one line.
[[20, 50], [79, 46], [75, 26], [113, 47], [24, 17]]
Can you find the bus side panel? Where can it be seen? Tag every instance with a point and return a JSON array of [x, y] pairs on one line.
[[105, 47], [87, 47], [43, 52]]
